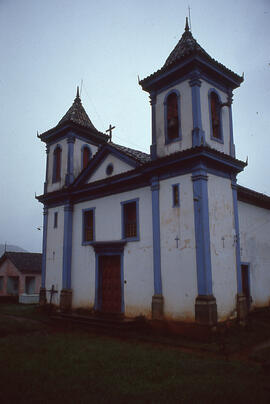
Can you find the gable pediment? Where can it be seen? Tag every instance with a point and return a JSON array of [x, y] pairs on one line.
[[108, 162]]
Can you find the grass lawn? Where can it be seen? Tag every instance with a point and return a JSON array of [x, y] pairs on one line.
[[78, 367]]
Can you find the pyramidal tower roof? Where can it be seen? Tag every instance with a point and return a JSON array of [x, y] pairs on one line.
[[77, 114], [188, 52]]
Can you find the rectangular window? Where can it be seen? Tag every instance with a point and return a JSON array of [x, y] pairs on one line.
[[130, 218], [88, 225], [30, 285], [55, 220], [176, 195], [1, 283], [13, 285]]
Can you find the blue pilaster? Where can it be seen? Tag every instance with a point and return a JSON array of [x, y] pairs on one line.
[[232, 147], [44, 246], [70, 164], [153, 148], [237, 236], [198, 136], [67, 248], [156, 236], [202, 233]]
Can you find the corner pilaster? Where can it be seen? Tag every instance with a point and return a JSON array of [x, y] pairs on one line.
[[153, 148], [205, 305], [66, 293], [47, 168], [70, 164], [157, 299]]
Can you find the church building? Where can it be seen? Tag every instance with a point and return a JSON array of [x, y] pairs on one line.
[[166, 235]]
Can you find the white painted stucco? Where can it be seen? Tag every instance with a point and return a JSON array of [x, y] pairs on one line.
[[77, 156], [179, 279], [119, 166], [138, 267], [54, 186], [223, 256], [185, 118], [255, 249], [54, 252]]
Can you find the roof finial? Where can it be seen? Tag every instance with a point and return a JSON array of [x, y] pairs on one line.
[[78, 93], [187, 27]]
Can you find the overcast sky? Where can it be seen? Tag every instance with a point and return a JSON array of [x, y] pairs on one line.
[[49, 47]]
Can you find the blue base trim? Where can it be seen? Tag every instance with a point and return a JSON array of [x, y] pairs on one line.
[[202, 233]]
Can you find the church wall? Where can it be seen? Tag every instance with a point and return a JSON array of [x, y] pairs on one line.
[[119, 167], [185, 117], [225, 119], [254, 225], [223, 256], [57, 185], [77, 158], [137, 259], [179, 278], [54, 252]]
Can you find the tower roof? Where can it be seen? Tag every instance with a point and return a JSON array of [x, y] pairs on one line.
[[77, 114], [187, 51]]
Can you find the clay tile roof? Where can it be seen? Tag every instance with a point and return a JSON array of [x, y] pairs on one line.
[[77, 114], [25, 262], [136, 154]]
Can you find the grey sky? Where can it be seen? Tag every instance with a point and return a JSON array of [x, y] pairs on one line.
[[48, 47]]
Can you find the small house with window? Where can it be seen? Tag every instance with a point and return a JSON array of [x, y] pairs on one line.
[[20, 276], [165, 235]]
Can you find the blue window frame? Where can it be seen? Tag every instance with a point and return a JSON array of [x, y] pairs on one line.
[[130, 220], [172, 117], [55, 220], [86, 154], [88, 226], [216, 132], [175, 195]]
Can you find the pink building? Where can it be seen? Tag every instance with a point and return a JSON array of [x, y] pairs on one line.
[[20, 272]]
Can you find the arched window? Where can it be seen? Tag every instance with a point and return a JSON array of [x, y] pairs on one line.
[[215, 115], [57, 164], [172, 118], [86, 155]]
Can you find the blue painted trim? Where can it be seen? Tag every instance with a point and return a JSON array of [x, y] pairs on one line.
[[55, 220], [153, 147], [175, 204], [67, 246], [47, 168], [70, 160], [44, 247], [156, 236], [220, 139], [58, 146], [137, 238], [202, 232], [198, 135], [179, 137], [84, 242], [98, 279], [237, 234], [85, 146]]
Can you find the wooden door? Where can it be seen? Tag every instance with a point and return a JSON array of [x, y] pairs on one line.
[[110, 285]]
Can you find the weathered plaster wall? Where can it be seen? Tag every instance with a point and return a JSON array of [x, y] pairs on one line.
[[186, 121], [54, 253], [138, 269], [119, 167], [223, 256], [178, 264], [255, 249]]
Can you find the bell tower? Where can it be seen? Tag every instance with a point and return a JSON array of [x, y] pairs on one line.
[[191, 98]]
